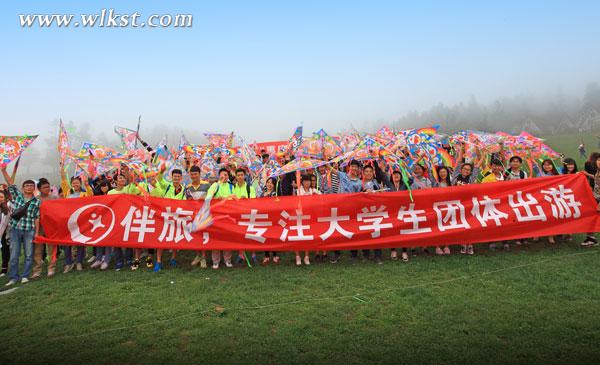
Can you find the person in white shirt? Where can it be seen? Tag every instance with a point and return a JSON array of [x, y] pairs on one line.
[[305, 189]]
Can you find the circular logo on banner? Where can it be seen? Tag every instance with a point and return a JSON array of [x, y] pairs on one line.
[[95, 220]]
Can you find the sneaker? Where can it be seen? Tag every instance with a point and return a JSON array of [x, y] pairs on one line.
[[266, 261], [298, 261], [68, 268], [96, 264], [404, 256], [276, 260], [517, 242], [470, 250], [149, 263], [157, 266], [463, 249], [551, 240], [50, 274], [203, 263], [228, 264], [35, 277], [79, 267], [335, 258], [104, 266], [492, 247], [91, 259], [215, 265], [306, 260], [135, 265], [413, 252], [394, 255], [439, 251], [446, 250], [24, 281], [10, 283], [173, 262], [378, 261], [2, 275], [196, 261], [506, 247]]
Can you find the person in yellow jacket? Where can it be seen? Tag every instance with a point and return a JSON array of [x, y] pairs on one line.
[[69, 191], [124, 185], [170, 190], [243, 190], [222, 189], [494, 173]]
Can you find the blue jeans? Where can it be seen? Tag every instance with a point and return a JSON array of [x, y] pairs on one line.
[[20, 238], [69, 254], [122, 259]]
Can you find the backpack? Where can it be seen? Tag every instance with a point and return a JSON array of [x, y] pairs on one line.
[[507, 174], [230, 189]]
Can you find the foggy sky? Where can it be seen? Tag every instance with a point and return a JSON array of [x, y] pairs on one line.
[[259, 69]]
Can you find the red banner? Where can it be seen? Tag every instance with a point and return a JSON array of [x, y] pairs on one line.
[[465, 214]]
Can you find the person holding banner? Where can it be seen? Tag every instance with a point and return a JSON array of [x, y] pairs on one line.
[[268, 192], [197, 190], [24, 224], [394, 184], [443, 181], [466, 173], [123, 186], [370, 185], [103, 254], [243, 190], [71, 191], [171, 190], [305, 189], [222, 189]]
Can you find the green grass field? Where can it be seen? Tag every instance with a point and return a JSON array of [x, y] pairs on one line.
[[534, 304]]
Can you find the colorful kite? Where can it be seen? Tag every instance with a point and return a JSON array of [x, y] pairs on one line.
[[11, 147]]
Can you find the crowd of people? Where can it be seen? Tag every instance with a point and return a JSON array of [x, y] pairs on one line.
[[20, 207]]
